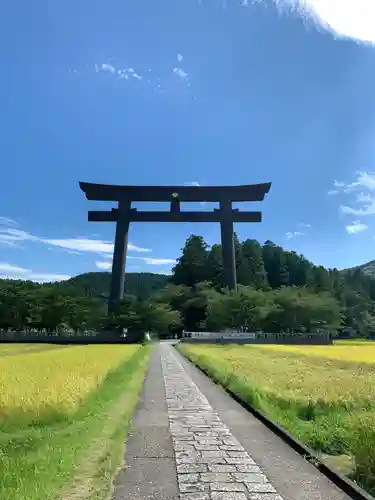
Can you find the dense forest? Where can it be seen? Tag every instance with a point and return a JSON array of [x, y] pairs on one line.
[[278, 290], [140, 285]]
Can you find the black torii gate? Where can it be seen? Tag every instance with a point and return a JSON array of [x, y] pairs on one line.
[[124, 214]]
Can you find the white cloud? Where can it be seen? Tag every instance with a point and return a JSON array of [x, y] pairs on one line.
[[292, 234], [354, 19], [9, 271], [356, 227], [155, 262], [103, 265], [339, 186], [6, 221], [107, 264], [121, 73], [180, 72], [9, 268], [89, 245], [13, 236], [133, 73], [307, 226], [368, 209], [82, 245], [365, 200], [180, 57], [108, 67]]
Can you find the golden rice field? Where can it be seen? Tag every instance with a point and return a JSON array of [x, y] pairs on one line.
[[64, 412], [14, 349], [323, 395], [32, 383], [360, 352], [298, 373]]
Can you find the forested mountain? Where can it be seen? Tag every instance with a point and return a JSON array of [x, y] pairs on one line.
[[270, 267], [368, 268], [140, 285], [278, 290]]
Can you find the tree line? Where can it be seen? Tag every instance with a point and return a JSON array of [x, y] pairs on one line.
[[278, 291]]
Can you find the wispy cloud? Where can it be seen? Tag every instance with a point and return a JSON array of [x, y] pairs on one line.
[[6, 221], [120, 73], [133, 73], [356, 227], [10, 271], [107, 67], [153, 80], [107, 264], [293, 234], [103, 265], [180, 72], [89, 245], [12, 236], [354, 19], [364, 190], [156, 262]]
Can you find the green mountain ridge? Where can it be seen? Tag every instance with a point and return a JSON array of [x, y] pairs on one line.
[[96, 284], [368, 268]]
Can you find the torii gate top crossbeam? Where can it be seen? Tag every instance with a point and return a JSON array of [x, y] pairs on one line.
[[108, 192]]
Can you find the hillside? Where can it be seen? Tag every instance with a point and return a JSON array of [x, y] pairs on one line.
[[368, 268], [96, 284], [141, 285]]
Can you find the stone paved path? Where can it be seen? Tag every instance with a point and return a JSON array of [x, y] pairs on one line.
[[211, 463], [191, 441]]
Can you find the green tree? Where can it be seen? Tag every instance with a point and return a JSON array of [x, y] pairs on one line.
[[214, 266], [191, 266], [251, 270], [275, 264]]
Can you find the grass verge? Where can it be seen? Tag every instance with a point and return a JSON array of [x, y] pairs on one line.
[[74, 458], [326, 424]]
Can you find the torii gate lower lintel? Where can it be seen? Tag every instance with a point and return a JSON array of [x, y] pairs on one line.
[[124, 214]]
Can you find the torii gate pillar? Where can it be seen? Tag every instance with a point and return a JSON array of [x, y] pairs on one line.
[[116, 291], [227, 245]]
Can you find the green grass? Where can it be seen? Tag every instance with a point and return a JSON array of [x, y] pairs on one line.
[[74, 458], [343, 435]]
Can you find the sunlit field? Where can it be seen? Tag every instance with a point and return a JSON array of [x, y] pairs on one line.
[[54, 382], [324, 395], [64, 412], [15, 349], [359, 352]]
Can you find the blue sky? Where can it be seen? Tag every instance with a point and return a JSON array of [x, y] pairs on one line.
[[185, 92]]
